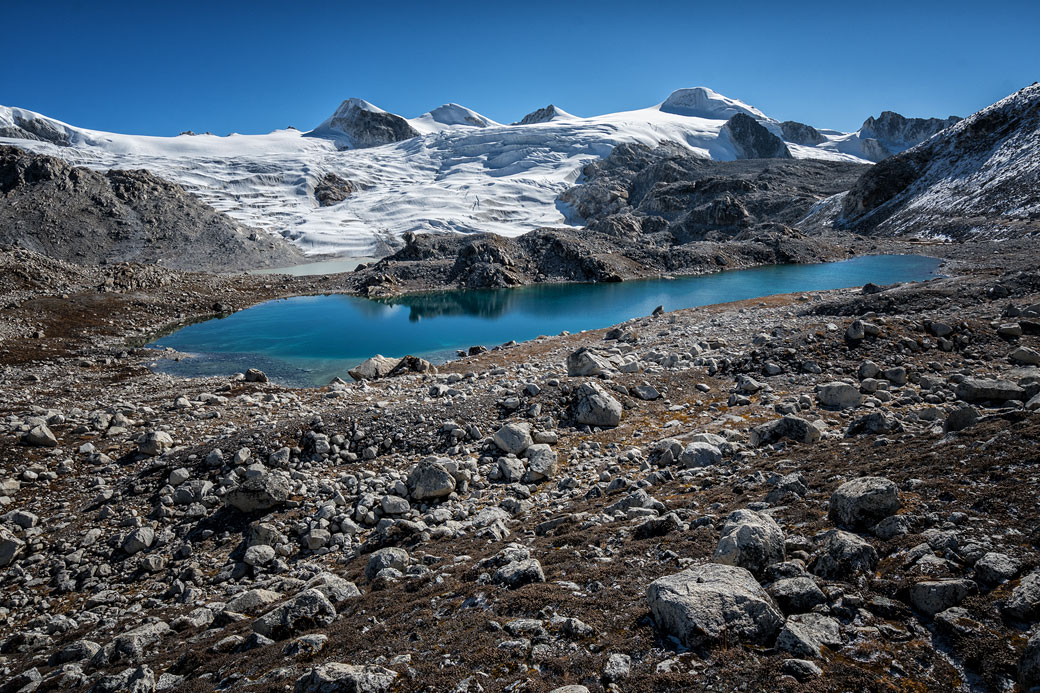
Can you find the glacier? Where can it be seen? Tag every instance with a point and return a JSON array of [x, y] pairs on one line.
[[450, 170]]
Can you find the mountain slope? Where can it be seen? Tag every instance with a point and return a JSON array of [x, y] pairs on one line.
[[450, 170], [83, 216], [980, 177]]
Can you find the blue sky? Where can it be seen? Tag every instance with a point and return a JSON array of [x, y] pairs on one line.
[[160, 68]]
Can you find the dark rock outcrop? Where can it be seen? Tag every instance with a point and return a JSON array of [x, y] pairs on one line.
[[365, 126], [800, 133], [752, 140], [542, 115], [87, 217], [333, 189], [897, 133]]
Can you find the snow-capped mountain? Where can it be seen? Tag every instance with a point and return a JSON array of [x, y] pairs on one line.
[[448, 170]]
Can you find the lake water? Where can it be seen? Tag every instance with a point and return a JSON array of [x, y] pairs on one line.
[[308, 340]]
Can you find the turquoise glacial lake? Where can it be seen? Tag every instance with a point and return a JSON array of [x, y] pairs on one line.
[[308, 340]]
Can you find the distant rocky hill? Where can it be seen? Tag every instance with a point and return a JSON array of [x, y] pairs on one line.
[[666, 189], [87, 217], [980, 178]]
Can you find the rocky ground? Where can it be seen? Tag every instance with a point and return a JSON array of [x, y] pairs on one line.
[[828, 491]]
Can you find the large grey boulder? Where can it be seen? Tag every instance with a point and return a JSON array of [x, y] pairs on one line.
[[1024, 602], [309, 609], [155, 443], [1029, 665], [430, 480], [594, 407], [840, 555], [994, 568], [130, 646], [373, 368], [805, 635], [11, 547], [41, 437], [712, 603], [838, 395], [542, 463], [138, 540], [796, 595], [700, 454], [390, 557], [513, 437], [585, 362], [863, 502], [516, 574], [932, 596], [982, 390], [259, 493], [791, 427], [335, 677], [750, 540], [336, 589]]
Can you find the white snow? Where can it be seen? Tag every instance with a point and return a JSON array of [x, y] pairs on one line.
[[464, 173]]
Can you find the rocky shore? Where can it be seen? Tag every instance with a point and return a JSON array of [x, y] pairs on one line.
[[828, 491]]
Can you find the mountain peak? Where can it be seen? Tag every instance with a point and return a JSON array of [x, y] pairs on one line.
[[702, 102], [450, 115], [544, 115]]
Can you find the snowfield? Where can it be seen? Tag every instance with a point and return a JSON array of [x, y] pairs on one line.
[[463, 173]]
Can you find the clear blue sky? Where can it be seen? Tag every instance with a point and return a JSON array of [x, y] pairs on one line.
[[160, 68]]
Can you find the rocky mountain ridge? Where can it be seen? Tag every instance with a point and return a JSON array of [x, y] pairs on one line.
[[83, 216], [978, 177]]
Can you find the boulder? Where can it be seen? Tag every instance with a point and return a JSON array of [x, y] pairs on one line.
[[994, 568], [260, 493], [700, 455], [519, 573], [11, 547], [255, 375], [1029, 664], [309, 609], [252, 601], [390, 557], [585, 362], [336, 589], [41, 437], [513, 437], [805, 635], [750, 540], [374, 368], [430, 480], [863, 502], [542, 463], [1025, 356], [840, 555], [796, 595], [155, 443], [932, 596], [138, 540], [790, 427], [335, 677], [838, 395], [713, 603], [594, 407], [1024, 602], [980, 390]]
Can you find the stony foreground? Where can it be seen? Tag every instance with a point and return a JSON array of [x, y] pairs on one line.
[[833, 491]]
